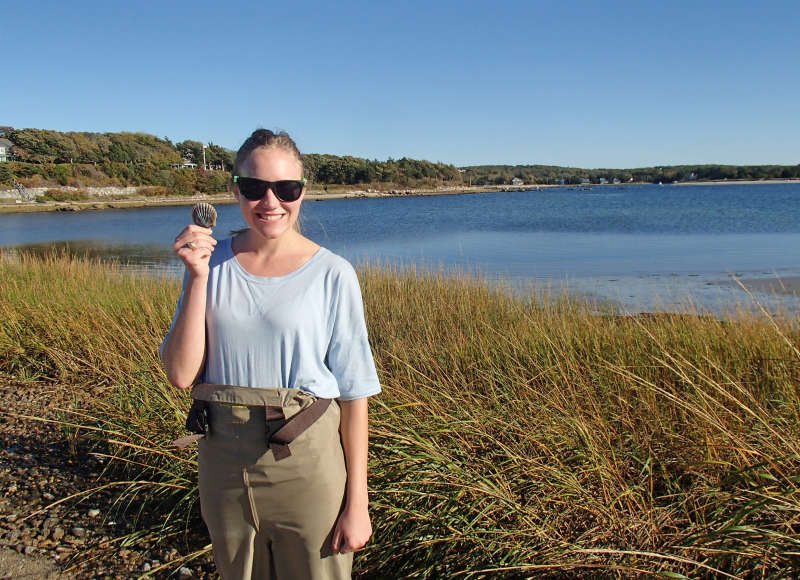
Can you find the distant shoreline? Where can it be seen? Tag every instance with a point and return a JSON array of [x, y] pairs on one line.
[[97, 204]]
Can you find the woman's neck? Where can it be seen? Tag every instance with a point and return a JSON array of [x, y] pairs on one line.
[[265, 257], [267, 249]]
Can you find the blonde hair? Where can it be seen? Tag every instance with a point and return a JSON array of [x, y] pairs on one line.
[[264, 138]]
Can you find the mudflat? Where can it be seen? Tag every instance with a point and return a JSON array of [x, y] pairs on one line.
[[788, 285]]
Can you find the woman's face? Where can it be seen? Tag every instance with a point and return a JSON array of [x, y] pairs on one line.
[[269, 216]]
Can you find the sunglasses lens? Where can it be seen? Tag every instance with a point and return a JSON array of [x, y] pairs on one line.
[[252, 189], [288, 190]]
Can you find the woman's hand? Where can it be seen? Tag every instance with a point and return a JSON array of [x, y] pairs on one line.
[[352, 530], [194, 246]]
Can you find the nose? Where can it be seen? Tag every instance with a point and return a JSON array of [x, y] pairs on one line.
[[269, 199]]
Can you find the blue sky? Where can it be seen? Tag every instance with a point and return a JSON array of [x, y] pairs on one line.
[[576, 83]]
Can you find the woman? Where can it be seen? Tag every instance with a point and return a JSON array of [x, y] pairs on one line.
[[269, 328]]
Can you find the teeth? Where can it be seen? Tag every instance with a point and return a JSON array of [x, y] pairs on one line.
[[270, 217]]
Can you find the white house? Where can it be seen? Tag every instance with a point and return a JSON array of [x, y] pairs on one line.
[[5, 150]]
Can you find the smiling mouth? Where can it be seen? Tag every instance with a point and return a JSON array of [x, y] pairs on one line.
[[269, 217]]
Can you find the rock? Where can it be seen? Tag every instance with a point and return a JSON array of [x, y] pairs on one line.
[[28, 550], [48, 524], [146, 567], [58, 533], [93, 513], [78, 532], [184, 573], [48, 496]]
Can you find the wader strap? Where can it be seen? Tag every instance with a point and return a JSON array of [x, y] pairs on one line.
[[279, 441], [279, 431], [275, 419], [187, 440], [197, 422]]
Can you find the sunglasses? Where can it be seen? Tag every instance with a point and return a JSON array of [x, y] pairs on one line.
[[285, 190]]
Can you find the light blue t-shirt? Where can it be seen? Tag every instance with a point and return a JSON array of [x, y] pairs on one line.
[[304, 330]]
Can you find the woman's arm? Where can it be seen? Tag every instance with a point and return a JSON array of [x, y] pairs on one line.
[[185, 346], [353, 527]]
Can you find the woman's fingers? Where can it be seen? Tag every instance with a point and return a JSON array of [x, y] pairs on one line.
[[193, 238], [351, 533], [194, 246], [197, 244], [336, 541]]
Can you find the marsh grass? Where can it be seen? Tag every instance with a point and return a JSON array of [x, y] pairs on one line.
[[513, 438]]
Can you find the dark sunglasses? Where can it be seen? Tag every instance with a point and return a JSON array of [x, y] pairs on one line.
[[285, 190]]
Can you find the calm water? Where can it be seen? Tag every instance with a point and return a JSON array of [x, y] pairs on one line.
[[644, 247]]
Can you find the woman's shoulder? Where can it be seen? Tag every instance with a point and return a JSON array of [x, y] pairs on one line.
[[333, 263]]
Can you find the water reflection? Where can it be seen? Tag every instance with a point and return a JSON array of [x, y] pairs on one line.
[[152, 259]]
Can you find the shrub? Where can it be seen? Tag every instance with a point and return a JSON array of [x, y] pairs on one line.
[[63, 195], [152, 191], [32, 181], [182, 182], [6, 175]]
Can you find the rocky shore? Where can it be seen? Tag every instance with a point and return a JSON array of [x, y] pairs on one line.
[[121, 198], [50, 526]]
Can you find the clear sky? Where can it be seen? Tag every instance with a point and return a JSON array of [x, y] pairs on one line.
[[585, 83]]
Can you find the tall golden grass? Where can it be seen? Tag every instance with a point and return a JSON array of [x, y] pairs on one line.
[[514, 437]]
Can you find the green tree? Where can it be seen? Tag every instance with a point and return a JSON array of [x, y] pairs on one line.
[[191, 151], [6, 175]]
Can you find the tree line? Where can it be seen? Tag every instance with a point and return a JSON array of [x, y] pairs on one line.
[[45, 157], [553, 174], [347, 170]]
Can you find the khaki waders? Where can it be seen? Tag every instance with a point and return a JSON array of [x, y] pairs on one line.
[[271, 484]]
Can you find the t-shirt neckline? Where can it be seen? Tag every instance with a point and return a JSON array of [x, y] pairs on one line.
[[270, 279]]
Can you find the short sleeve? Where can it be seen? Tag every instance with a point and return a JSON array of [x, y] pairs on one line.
[[349, 356]]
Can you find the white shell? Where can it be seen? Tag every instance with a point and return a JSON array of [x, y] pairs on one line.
[[204, 215]]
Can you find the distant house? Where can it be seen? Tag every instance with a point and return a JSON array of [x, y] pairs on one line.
[[517, 181], [603, 181], [5, 150], [185, 164]]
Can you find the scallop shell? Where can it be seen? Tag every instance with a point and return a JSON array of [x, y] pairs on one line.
[[204, 215]]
